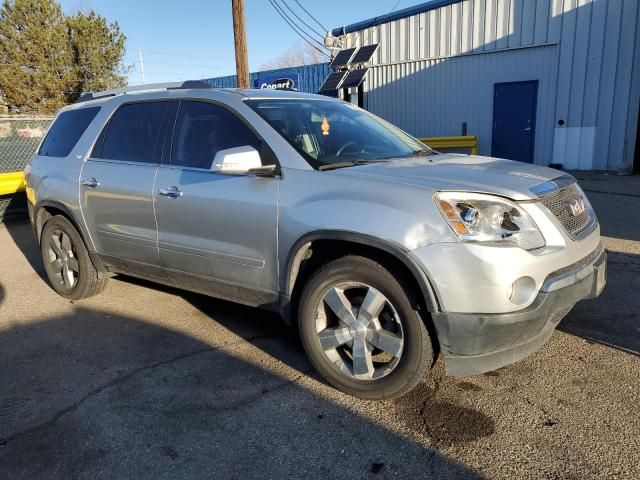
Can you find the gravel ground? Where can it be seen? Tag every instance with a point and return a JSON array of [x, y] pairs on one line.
[[145, 381]]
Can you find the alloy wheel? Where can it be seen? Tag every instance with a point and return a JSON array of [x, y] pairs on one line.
[[62, 259], [359, 330]]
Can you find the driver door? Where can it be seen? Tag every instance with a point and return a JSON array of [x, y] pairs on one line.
[[217, 233]]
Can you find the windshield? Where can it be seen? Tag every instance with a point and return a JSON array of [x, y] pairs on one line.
[[330, 133]]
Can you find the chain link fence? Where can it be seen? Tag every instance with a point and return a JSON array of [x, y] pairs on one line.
[[19, 138]]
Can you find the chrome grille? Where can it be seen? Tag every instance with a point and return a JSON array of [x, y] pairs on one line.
[[558, 203]]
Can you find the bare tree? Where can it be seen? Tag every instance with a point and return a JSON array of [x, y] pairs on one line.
[[299, 54]]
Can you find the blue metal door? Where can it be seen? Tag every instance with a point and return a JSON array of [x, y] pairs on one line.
[[514, 120]]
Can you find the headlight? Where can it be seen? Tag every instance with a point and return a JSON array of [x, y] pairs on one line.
[[475, 217]]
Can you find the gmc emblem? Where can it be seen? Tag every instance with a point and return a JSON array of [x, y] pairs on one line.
[[576, 206]]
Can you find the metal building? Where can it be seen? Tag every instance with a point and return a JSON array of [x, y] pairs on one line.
[[548, 81], [306, 78]]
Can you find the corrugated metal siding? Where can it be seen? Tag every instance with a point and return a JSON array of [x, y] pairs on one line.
[[311, 77], [394, 15], [596, 90], [462, 27], [460, 89]]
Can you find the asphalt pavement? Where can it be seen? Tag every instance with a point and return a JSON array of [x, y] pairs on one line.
[[146, 381]]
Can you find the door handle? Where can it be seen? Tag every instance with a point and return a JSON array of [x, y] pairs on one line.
[[171, 192], [528, 129], [91, 182]]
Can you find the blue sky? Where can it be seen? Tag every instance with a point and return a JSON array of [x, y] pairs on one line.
[[194, 38]]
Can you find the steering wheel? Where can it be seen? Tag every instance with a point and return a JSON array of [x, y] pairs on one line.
[[344, 147]]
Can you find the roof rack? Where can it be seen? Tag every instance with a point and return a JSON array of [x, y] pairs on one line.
[[85, 97]]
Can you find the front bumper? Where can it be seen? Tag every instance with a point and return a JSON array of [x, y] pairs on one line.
[[477, 343]]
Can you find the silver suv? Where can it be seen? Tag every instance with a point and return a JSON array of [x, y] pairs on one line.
[[380, 250]]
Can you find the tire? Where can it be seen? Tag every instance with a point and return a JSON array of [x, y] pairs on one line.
[[69, 268], [394, 369]]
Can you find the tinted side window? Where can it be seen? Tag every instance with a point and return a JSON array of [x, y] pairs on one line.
[[133, 134], [66, 131], [97, 147], [203, 129]]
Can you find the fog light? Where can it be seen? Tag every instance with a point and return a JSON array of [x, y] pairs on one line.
[[522, 290]]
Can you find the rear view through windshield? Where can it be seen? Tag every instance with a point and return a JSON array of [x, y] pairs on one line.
[[329, 132]]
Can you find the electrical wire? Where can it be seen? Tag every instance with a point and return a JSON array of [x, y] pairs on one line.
[[321, 35], [286, 18], [390, 11], [176, 74], [299, 30], [395, 6], [314, 18], [181, 64], [176, 54]]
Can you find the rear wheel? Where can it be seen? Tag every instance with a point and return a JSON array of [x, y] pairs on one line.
[[66, 261], [360, 330]]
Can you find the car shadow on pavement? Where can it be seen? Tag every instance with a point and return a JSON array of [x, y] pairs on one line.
[[422, 412], [91, 394], [611, 320]]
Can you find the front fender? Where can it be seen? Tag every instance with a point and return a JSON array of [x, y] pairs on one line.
[[402, 214], [392, 217]]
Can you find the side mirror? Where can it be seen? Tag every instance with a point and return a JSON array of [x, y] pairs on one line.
[[236, 161]]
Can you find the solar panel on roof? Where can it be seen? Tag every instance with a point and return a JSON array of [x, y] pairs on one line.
[[343, 58], [355, 78], [365, 53], [332, 82]]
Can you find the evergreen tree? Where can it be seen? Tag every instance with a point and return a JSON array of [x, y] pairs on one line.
[[97, 50], [47, 58]]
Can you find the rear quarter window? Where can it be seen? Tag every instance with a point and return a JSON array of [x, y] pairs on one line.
[[66, 131]]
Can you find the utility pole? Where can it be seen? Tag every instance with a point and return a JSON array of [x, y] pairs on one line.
[[240, 37], [141, 65]]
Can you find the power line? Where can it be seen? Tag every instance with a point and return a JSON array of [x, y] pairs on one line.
[[305, 23], [314, 18], [286, 18], [395, 6], [175, 73], [296, 28], [182, 64], [175, 54], [390, 11]]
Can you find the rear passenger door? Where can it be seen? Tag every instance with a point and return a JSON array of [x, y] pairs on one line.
[[117, 185], [216, 232]]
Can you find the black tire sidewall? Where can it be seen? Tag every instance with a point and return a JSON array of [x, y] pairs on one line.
[[81, 254], [412, 363]]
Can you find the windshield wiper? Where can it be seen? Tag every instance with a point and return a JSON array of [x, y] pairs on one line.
[[413, 154], [350, 163], [421, 153]]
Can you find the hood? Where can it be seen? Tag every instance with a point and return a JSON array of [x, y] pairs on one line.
[[467, 173]]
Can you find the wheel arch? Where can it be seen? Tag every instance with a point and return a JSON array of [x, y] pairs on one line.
[[346, 242], [47, 209]]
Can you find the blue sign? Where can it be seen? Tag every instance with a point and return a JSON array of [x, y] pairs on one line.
[[284, 81]]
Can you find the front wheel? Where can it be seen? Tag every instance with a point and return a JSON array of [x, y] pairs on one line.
[[360, 330]]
